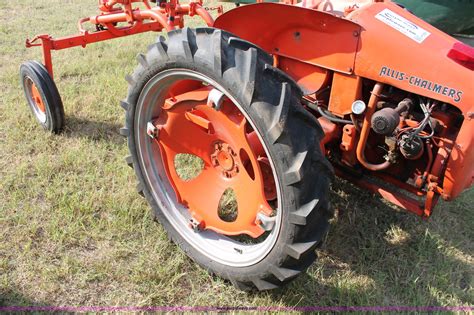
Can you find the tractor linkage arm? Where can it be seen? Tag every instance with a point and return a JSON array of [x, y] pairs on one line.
[[166, 15]]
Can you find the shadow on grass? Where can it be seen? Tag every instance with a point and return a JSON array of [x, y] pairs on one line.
[[378, 255], [375, 254], [93, 130], [12, 298]]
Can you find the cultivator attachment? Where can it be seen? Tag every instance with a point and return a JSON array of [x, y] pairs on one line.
[[120, 18]]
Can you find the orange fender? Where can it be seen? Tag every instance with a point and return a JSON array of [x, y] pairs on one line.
[[307, 42]]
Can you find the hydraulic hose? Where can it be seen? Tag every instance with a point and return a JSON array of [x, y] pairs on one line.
[[317, 108]]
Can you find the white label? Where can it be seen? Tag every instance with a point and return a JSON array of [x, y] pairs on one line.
[[403, 25]]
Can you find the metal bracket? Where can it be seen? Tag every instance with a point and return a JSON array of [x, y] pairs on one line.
[[151, 130], [195, 225], [267, 223], [215, 99]]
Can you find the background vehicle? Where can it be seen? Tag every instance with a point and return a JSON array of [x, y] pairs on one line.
[[264, 106]]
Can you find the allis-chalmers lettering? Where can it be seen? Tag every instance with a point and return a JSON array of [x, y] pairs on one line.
[[441, 89]]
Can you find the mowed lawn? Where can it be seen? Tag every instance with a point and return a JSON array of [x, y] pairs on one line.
[[73, 231]]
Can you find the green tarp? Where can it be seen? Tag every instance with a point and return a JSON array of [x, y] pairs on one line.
[[450, 16]]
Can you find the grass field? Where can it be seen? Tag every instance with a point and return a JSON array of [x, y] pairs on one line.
[[73, 231]]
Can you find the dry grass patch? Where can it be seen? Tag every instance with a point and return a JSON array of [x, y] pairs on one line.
[[73, 231]]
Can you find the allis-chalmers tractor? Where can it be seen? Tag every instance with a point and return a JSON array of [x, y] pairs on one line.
[[272, 99]]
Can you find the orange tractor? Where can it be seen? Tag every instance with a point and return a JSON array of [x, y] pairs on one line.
[[272, 99]]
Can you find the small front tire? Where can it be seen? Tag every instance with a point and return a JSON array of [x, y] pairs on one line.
[[42, 96]]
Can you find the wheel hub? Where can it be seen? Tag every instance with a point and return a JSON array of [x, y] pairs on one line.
[[224, 159], [36, 96], [192, 124]]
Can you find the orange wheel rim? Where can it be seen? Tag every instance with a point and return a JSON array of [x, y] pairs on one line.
[[225, 142], [37, 99]]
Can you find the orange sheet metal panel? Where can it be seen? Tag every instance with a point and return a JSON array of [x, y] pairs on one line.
[[307, 35], [460, 169], [344, 91], [309, 77], [402, 50]]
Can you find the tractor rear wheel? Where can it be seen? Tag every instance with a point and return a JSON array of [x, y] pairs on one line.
[[42, 96], [207, 99]]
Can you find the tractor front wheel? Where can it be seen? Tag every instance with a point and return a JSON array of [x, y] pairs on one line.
[[227, 157], [42, 96]]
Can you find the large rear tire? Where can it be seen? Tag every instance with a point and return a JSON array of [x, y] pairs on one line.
[[269, 102]]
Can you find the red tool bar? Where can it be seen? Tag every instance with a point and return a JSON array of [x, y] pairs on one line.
[[89, 38], [140, 21], [49, 43]]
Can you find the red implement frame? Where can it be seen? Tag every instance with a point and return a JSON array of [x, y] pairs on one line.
[[167, 15]]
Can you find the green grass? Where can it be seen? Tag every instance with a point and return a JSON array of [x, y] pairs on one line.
[[73, 231]]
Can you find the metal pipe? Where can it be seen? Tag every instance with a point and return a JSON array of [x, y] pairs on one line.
[[138, 15], [108, 18], [147, 4], [158, 17], [364, 134], [48, 62], [204, 14], [429, 149], [355, 122], [155, 14], [79, 24]]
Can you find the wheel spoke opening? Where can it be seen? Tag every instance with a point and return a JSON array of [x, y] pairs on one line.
[[188, 166], [249, 240], [228, 208], [244, 157]]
